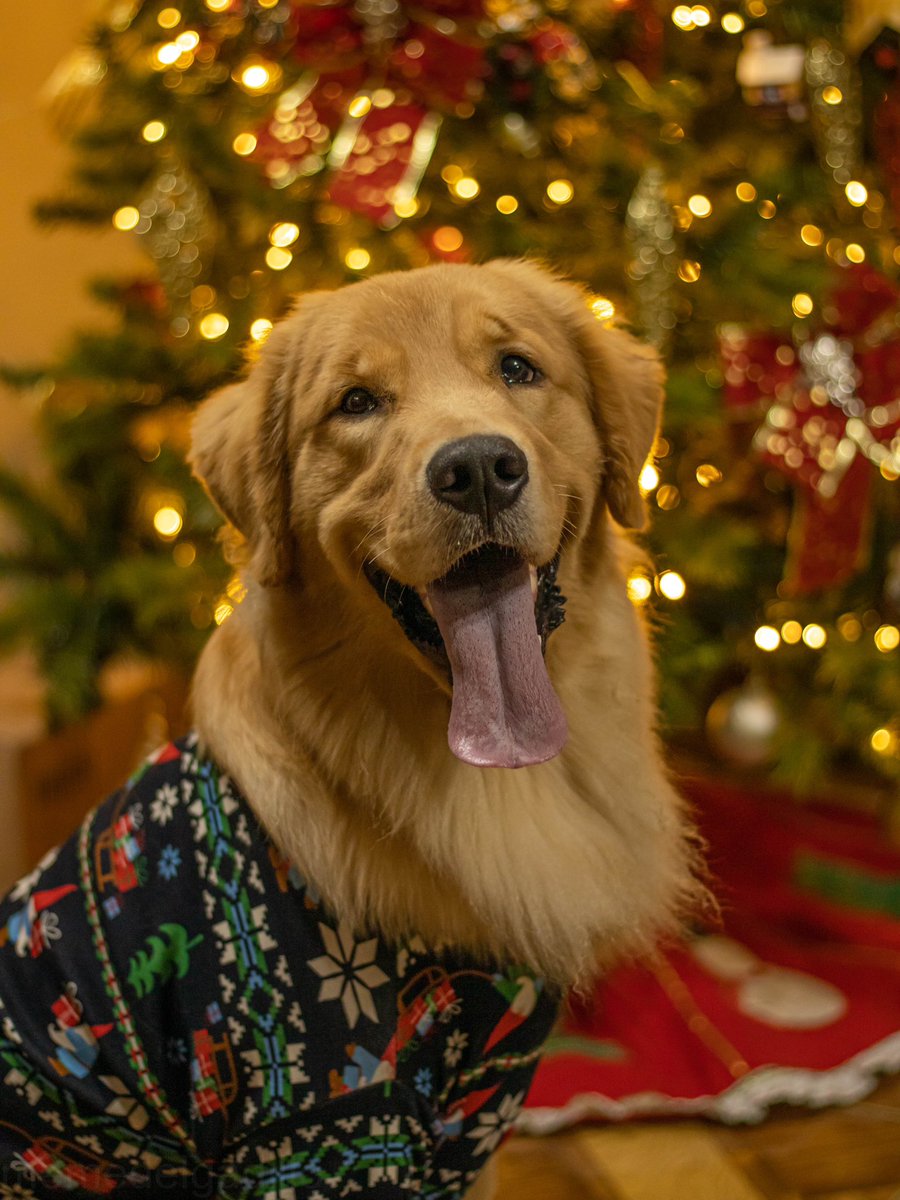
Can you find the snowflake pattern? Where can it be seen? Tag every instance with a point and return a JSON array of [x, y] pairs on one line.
[[169, 862], [163, 806], [491, 1126], [456, 1043], [348, 971], [239, 1043]]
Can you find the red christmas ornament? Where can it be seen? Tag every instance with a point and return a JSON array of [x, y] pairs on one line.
[[831, 419]]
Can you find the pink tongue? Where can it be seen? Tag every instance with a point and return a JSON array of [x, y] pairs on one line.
[[505, 712]]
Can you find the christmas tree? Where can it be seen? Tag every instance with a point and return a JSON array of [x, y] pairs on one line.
[[726, 181]]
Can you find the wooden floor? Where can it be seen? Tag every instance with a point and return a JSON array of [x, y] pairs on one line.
[[838, 1154]]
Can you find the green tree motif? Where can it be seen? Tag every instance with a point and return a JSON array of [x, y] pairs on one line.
[[167, 955]]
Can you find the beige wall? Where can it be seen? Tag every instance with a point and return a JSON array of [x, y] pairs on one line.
[[42, 270], [42, 299]]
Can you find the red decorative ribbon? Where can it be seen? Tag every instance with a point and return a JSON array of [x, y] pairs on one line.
[[823, 448]]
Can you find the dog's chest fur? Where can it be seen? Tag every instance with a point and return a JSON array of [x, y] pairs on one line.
[[177, 1001]]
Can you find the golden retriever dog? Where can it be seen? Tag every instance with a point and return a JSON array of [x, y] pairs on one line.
[[435, 708]]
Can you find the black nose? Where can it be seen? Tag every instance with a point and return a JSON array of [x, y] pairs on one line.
[[482, 475]]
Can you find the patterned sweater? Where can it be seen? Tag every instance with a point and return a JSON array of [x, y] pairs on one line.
[[180, 1015]]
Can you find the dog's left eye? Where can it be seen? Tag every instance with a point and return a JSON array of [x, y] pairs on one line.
[[358, 401], [517, 369]]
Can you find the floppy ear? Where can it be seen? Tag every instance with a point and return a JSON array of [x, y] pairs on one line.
[[239, 452], [627, 379]]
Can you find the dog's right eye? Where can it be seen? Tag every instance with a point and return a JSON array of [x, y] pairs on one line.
[[359, 401]]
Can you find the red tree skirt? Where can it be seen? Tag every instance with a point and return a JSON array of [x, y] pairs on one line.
[[795, 1000]]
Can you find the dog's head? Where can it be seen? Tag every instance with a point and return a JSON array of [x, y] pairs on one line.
[[438, 438]]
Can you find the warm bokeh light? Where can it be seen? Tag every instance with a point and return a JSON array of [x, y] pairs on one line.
[[168, 18], [671, 585], [649, 478], [213, 326], [707, 475], [700, 205], [640, 588], [357, 259], [791, 632], [802, 304], [733, 22], [277, 258], [447, 239], [884, 741], [603, 308], [560, 191], [832, 94], [256, 78], [126, 218], [689, 270], [856, 193], [746, 192], [812, 235], [167, 522], [855, 252], [260, 329], [244, 144], [887, 638], [767, 638], [154, 131], [850, 627], [466, 188], [507, 205], [359, 106], [285, 233], [407, 207], [814, 636]]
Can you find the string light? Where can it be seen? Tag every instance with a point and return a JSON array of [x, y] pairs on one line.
[[184, 554], [746, 192], [733, 22], [213, 326], [602, 308], [887, 638], [707, 475], [260, 329], [217, 5], [682, 17], [767, 209], [639, 588], [560, 191], [884, 741], [257, 76], [832, 94], [451, 173], [700, 205], [167, 521], [767, 638], [447, 239], [167, 54], [154, 131], [700, 15], [855, 252], [507, 205], [244, 144], [277, 259], [126, 218], [648, 479], [856, 193], [689, 271], [357, 259], [168, 18], [668, 497], [802, 304], [671, 585], [359, 106], [407, 207], [811, 235], [791, 632], [850, 627], [188, 41], [814, 636], [285, 233], [465, 188]]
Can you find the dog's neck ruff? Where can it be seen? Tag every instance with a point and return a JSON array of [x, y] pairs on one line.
[[180, 1011]]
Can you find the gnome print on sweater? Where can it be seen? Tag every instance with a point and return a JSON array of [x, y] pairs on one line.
[[180, 1014]]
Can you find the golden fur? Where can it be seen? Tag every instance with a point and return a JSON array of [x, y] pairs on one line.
[[335, 726]]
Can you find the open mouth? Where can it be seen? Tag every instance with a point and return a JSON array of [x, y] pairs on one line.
[[486, 623], [413, 611]]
